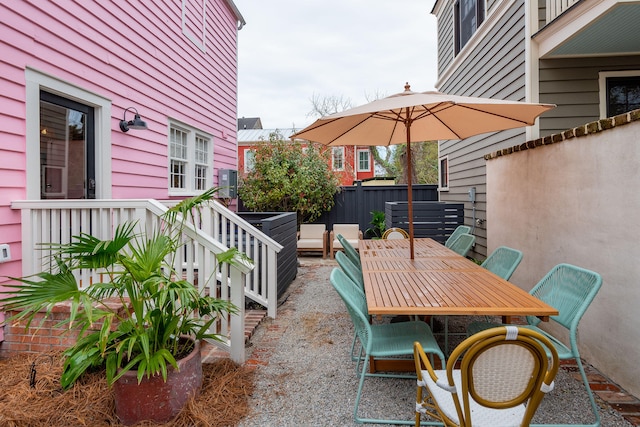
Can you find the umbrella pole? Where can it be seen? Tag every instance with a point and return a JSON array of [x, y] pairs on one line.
[[409, 187]]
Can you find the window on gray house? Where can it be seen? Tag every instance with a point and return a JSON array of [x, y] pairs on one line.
[[623, 94], [468, 15], [444, 173]]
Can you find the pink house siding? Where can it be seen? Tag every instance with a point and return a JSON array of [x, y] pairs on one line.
[[133, 54]]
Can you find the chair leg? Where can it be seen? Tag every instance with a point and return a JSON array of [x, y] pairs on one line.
[[363, 374], [585, 380]]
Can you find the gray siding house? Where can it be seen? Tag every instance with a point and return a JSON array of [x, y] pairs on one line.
[[583, 56]]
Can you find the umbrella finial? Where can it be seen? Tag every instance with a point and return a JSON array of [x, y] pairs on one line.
[[407, 87]]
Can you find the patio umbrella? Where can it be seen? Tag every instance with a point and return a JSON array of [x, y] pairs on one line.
[[410, 116]]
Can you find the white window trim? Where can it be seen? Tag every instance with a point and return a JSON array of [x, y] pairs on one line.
[[35, 82], [333, 159], [358, 160], [191, 161], [246, 160], [440, 187], [199, 41], [602, 86]]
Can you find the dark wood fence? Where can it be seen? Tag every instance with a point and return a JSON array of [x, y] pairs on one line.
[[281, 227], [354, 204], [430, 219]]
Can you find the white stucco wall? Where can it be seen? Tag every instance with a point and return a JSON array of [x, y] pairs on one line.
[[578, 201]]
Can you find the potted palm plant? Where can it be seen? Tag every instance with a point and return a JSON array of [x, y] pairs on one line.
[[157, 321]]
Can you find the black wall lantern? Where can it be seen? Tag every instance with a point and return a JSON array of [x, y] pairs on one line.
[[136, 123]]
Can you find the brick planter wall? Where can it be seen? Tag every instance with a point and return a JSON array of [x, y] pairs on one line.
[[43, 335]]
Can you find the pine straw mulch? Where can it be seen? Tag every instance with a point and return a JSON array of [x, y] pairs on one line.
[[223, 400]]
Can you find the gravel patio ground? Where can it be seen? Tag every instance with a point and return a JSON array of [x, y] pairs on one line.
[[304, 375]]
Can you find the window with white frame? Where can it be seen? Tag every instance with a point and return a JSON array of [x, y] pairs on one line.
[[468, 15], [619, 92], [190, 160], [337, 158], [623, 95], [249, 160], [364, 163], [444, 173]]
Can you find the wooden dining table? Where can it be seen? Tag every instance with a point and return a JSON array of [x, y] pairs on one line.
[[437, 282]]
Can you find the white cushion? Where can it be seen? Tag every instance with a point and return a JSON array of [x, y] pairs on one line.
[[310, 244], [480, 415], [312, 231], [351, 232]]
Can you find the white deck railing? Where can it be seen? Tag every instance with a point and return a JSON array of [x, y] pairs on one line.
[[556, 7], [225, 226], [56, 221]]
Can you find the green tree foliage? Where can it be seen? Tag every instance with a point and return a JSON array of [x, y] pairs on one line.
[[425, 162], [290, 177]]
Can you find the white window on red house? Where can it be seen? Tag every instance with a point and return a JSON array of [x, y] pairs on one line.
[[364, 161], [338, 158], [249, 160]]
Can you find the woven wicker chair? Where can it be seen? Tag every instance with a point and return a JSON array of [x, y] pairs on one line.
[[395, 233], [570, 290], [504, 374], [380, 340], [461, 229]]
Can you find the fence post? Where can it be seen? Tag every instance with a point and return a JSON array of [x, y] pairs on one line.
[[362, 223]]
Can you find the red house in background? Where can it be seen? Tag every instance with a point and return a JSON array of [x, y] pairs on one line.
[[352, 163]]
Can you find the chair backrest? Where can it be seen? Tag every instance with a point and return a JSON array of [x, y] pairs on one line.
[[312, 231], [348, 231], [395, 233], [354, 272], [570, 290], [463, 244], [502, 368], [461, 229], [351, 252], [356, 303], [503, 261]]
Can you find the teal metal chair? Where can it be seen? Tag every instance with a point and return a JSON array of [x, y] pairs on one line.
[[503, 262], [355, 274], [353, 271], [380, 340], [463, 244], [351, 252], [570, 290], [461, 229]]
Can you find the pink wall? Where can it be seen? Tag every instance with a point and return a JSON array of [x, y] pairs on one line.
[[135, 54]]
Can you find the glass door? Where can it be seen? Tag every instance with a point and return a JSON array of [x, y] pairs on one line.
[[67, 149]]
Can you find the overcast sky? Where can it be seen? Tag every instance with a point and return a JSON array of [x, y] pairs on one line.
[[291, 50]]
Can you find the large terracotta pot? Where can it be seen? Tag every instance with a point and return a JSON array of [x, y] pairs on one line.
[[154, 399]]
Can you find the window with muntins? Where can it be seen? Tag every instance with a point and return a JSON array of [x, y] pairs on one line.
[[190, 160], [468, 15], [623, 95], [338, 158], [364, 161]]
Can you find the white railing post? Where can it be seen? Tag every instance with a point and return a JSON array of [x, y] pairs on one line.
[[272, 283], [237, 321]]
